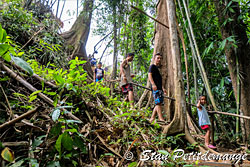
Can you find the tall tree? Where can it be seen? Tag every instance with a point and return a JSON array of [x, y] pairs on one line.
[[162, 45], [166, 42], [232, 26], [77, 36], [115, 27]]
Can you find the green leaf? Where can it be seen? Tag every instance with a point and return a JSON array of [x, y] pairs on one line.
[[109, 154], [67, 142], [37, 141], [71, 130], [222, 83], [20, 95], [51, 93], [6, 57], [1, 33], [3, 52], [55, 101], [34, 162], [20, 53], [36, 92], [4, 36], [59, 79], [82, 62], [74, 163], [56, 114], [54, 164], [6, 78], [32, 98], [73, 121], [164, 152], [58, 145], [223, 44], [17, 164], [7, 155], [56, 129], [231, 10], [133, 164], [78, 142], [23, 64], [65, 107]]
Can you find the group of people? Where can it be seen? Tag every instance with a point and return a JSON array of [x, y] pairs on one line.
[[158, 91], [155, 79]]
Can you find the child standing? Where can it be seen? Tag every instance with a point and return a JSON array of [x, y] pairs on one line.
[[204, 121], [99, 73]]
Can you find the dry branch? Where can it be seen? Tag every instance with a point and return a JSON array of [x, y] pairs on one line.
[[37, 77], [43, 80], [9, 123], [31, 88], [110, 148], [32, 37], [11, 144], [11, 112], [139, 10], [231, 114]]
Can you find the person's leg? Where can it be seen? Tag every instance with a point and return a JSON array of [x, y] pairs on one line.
[[126, 98], [131, 94], [153, 114], [131, 98], [207, 136], [159, 112]]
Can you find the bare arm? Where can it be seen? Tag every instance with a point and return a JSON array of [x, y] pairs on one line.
[[150, 77], [164, 90], [121, 67], [199, 105]]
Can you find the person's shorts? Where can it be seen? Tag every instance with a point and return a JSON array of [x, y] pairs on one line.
[[203, 127], [158, 96], [97, 80], [126, 88]]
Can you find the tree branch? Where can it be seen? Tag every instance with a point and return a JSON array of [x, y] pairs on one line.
[[9, 123]]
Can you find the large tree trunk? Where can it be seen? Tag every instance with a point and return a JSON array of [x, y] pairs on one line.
[[114, 71], [77, 36], [237, 28], [166, 42], [162, 45]]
